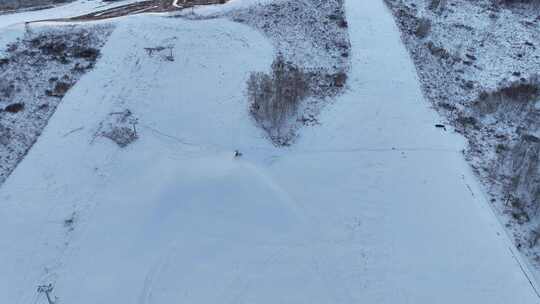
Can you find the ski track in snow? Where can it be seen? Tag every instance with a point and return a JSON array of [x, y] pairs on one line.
[[375, 205]]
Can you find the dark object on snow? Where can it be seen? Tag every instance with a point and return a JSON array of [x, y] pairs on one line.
[[15, 107], [237, 153], [440, 126], [120, 127], [122, 135], [46, 289], [88, 53], [60, 89], [340, 79]]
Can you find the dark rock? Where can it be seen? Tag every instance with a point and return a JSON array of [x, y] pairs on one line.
[[14, 107]]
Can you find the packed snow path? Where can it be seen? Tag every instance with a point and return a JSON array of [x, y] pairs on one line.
[[375, 205]]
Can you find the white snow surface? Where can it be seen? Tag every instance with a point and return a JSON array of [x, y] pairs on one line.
[[374, 205]]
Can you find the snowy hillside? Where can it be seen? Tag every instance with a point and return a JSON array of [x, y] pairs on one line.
[[153, 182]]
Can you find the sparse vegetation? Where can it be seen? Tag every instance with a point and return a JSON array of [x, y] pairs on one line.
[[320, 61], [423, 28], [274, 99], [520, 167], [37, 71], [516, 96], [120, 127], [485, 84], [509, 2], [18, 4], [14, 107]]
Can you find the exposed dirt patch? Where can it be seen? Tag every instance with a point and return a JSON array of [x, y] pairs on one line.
[[14, 107]]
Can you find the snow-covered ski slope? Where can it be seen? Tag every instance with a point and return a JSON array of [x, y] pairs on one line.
[[374, 205]]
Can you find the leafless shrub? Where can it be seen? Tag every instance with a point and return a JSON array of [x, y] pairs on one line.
[[534, 237], [464, 121], [120, 127], [18, 4], [447, 106], [521, 166], [437, 6], [515, 97], [423, 28], [516, 166], [434, 4], [60, 89], [510, 2], [6, 89], [437, 51], [517, 209], [122, 136], [275, 98], [323, 66], [164, 52], [5, 135], [88, 53], [339, 79], [63, 48]]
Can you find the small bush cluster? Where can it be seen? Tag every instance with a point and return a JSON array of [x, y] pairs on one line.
[[120, 127], [516, 1], [275, 98], [517, 96], [437, 5], [521, 166], [62, 48], [423, 28]]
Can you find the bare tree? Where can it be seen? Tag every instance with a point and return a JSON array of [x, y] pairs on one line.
[[275, 98]]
